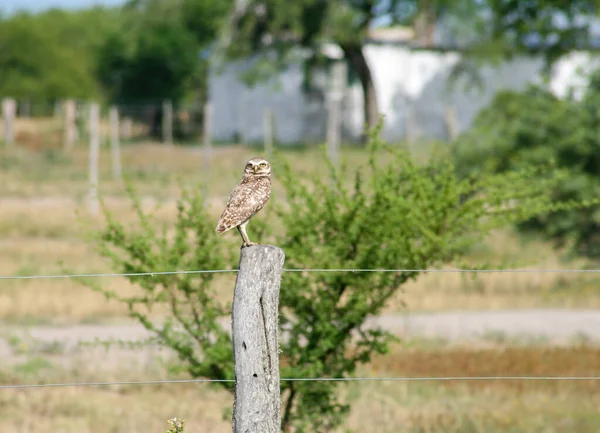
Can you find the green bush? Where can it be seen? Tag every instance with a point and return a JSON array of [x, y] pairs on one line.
[[384, 215], [534, 127]]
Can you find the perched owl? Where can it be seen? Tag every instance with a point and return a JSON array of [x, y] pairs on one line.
[[247, 198]]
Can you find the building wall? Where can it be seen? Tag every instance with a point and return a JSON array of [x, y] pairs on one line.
[[412, 90]]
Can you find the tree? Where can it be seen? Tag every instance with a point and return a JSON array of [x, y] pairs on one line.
[[155, 54], [520, 129], [425, 216], [267, 26], [155, 63], [51, 55], [493, 29]]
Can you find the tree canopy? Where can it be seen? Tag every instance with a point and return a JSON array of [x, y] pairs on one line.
[[151, 49], [156, 52], [50, 55], [490, 29], [530, 128], [145, 50]]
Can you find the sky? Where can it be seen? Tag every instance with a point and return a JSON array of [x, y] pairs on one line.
[[10, 6]]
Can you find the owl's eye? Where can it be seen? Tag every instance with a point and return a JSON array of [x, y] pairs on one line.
[[263, 164]]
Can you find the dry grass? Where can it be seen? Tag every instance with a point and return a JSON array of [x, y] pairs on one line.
[[51, 227], [36, 234], [376, 406], [66, 301], [483, 406], [537, 360], [155, 170]]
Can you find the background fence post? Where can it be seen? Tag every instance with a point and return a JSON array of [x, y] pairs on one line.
[[268, 131], [70, 124], [207, 135], [94, 130], [57, 111], [451, 123], [334, 111], [127, 129], [25, 110], [9, 109], [243, 117], [115, 142], [256, 407], [333, 128], [168, 122], [412, 126]]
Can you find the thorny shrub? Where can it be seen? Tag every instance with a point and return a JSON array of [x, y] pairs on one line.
[[389, 213]]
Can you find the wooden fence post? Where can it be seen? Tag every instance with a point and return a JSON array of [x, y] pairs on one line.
[[9, 111], [257, 404], [94, 129], [127, 129], [25, 111], [451, 123], [115, 145], [334, 113], [243, 117], [207, 132], [70, 127], [412, 125], [333, 127], [268, 131], [167, 125], [58, 109]]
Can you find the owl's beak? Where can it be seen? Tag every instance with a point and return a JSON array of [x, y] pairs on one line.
[[255, 168]]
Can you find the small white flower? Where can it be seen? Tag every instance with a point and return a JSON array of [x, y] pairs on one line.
[[176, 424]]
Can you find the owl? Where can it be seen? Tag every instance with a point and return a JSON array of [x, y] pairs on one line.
[[247, 198]]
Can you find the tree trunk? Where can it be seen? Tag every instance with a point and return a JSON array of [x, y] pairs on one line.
[[355, 55], [425, 23]]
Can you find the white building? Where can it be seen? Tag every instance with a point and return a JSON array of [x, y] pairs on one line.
[[411, 85]]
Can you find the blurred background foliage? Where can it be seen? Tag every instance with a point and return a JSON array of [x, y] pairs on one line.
[[533, 127], [147, 51], [107, 52], [144, 50]]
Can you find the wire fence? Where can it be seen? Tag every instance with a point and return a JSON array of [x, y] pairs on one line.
[[323, 270], [309, 379], [43, 125], [298, 379]]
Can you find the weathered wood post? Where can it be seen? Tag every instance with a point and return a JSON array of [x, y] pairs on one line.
[[256, 407], [268, 131], [25, 110], [333, 128], [9, 112], [94, 128], [207, 132], [70, 125], [115, 142], [167, 125], [334, 111], [243, 108], [412, 125], [127, 129], [451, 123]]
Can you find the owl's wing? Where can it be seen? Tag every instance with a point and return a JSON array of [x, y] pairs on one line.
[[245, 200]]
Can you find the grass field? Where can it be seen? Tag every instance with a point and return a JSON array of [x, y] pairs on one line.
[[377, 407], [44, 220]]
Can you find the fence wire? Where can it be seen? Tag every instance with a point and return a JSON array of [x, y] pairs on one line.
[[310, 379], [350, 270], [316, 379]]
